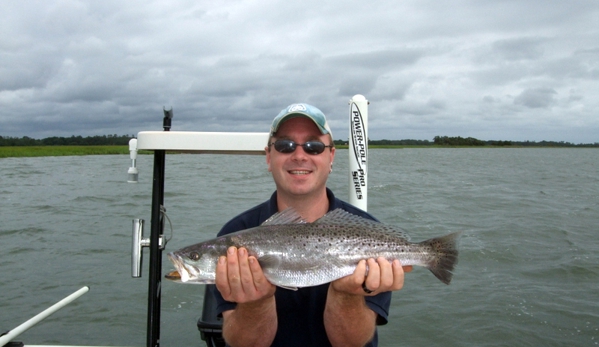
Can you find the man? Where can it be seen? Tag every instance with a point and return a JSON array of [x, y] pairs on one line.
[[300, 155]]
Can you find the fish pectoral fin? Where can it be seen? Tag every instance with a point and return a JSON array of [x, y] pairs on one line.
[[269, 261]]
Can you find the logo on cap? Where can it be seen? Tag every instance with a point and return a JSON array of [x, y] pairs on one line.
[[296, 107]]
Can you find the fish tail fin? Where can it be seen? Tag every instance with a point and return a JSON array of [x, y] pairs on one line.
[[445, 258]]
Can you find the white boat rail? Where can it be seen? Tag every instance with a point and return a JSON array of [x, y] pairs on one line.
[[10, 335], [203, 142]]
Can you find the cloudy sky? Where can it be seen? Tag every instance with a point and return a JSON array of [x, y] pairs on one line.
[[494, 70]]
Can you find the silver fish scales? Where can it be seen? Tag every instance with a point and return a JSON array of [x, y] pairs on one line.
[[293, 253]]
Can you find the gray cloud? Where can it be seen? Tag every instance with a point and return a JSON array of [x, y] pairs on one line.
[[536, 98], [522, 48], [428, 68]]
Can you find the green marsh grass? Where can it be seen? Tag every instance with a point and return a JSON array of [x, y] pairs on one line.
[[57, 151]]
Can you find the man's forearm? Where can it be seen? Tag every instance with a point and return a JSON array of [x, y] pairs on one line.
[[251, 324], [347, 319]]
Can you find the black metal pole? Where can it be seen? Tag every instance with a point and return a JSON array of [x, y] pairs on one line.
[[154, 294], [155, 251]]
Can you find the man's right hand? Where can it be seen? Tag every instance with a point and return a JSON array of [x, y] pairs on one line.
[[240, 279]]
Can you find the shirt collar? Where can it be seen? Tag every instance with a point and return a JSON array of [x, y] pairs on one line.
[[272, 203]]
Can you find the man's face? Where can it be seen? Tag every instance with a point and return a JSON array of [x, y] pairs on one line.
[[299, 173]]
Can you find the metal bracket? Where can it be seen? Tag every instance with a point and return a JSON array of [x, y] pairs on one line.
[[138, 242]]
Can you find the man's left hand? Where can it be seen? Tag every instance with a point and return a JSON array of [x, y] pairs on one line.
[[373, 277]]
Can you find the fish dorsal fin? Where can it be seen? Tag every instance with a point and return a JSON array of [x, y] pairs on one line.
[[340, 216], [287, 216]]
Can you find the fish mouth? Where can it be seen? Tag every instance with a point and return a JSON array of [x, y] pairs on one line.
[[180, 274], [174, 276]]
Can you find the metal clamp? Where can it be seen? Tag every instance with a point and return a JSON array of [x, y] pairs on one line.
[[138, 243]]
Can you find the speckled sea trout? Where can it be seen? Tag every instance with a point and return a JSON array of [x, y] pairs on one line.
[[293, 253]]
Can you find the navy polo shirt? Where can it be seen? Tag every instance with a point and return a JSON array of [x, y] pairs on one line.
[[300, 313]]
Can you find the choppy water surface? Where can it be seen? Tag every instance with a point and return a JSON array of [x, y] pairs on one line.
[[528, 272]]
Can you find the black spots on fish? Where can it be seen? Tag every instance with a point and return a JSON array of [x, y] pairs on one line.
[[444, 253], [441, 244]]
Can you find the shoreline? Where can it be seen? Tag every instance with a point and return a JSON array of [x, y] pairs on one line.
[[58, 151]]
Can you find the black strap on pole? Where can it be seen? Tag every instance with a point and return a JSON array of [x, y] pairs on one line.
[[157, 230]]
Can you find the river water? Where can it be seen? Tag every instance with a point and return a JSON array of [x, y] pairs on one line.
[[528, 273]]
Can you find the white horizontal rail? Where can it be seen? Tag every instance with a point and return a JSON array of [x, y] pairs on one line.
[[203, 142]]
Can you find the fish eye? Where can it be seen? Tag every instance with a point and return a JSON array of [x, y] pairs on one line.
[[194, 256]]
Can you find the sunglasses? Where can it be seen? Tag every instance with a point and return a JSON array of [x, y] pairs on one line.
[[289, 146]]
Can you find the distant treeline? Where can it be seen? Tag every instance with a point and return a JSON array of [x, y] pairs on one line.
[[390, 142], [470, 141], [116, 140], [103, 140]]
